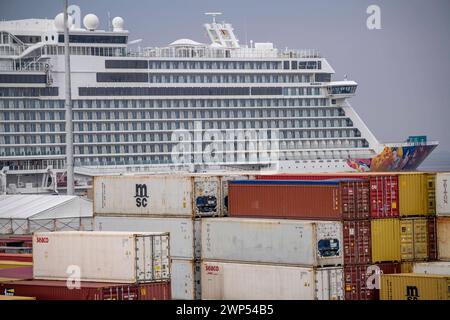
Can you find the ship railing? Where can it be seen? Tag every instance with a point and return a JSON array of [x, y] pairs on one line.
[[214, 53], [411, 144]]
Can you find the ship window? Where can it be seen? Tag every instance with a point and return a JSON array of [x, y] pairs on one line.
[[286, 65], [122, 77], [94, 39], [22, 78]]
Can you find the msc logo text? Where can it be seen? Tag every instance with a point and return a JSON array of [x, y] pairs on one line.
[[141, 195]]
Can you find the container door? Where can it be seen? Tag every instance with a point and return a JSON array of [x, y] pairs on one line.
[[329, 284], [144, 258], [432, 238], [407, 239], [206, 196], [431, 193], [420, 239], [152, 257]]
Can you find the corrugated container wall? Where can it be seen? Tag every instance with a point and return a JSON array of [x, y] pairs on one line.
[[357, 242], [273, 241], [143, 195], [237, 281], [413, 286], [385, 234], [181, 230], [320, 200], [443, 238], [185, 279], [417, 239], [384, 200], [58, 290], [362, 282], [442, 194], [437, 267], [417, 194], [124, 257]]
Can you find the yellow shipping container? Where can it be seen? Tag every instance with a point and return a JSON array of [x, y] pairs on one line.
[[413, 286], [385, 240], [2, 297], [14, 264], [406, 267], [414, 239], [443, 237], [417, 194]]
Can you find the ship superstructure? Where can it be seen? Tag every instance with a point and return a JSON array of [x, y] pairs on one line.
[[136, 109]]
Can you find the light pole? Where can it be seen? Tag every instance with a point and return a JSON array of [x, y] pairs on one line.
[[68, 106]]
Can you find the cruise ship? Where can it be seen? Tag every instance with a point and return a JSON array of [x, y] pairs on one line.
[[144, 109]]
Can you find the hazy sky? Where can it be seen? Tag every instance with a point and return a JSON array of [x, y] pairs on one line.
[[403, 70]]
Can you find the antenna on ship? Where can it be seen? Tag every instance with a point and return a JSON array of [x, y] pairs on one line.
[[213, 14], [68, 106]]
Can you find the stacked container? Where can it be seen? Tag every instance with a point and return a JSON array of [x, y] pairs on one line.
[[136, 264], [368, 232], [170, 203], [443, 215], [248, 258]]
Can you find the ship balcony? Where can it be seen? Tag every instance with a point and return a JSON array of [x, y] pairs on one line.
[[341, 89]]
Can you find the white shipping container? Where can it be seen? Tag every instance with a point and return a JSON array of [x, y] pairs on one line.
[[438, 267], [241, 281], [442, 194], [185, 279], [207, 195], [181, 230], [125, 257], [143, 195], [299, 242]]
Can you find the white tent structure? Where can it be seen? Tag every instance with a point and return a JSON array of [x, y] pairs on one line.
[[26, 214]]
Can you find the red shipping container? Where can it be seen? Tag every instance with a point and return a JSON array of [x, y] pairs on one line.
[[362, 282], [432, 239], [383, 189], [19, 273], [321, 200], [58, 290], [18, 257], [357, 242]]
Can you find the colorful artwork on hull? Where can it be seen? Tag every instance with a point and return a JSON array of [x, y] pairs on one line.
[[401, 158]]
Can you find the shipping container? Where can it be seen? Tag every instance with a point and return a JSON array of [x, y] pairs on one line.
[[417, 238], [385, 234], [407, 267], [417, 194], [23, 257], [181, 230], [3, 297], [59, 290], [225, 180], [443, 237], [17, 273], [436, 267], [14, 264], [239, 281], [309, 243], [295, 199], [207, 199], [357, 242], [442, 194], [384, 201], [362, 282], [413, 286], [143, 195], [125, 257], [185, 279]]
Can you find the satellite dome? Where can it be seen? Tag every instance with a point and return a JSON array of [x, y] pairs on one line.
[[118, 23], [59, 21], [91, 22], [185, 43]]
